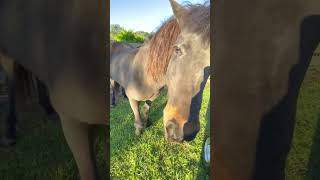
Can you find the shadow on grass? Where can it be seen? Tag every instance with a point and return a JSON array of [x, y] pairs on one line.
[[202, 164], [314, 159], [41, 151]]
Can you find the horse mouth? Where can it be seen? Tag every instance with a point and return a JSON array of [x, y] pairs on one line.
[[172, 134]]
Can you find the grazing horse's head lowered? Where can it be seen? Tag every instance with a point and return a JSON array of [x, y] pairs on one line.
[[187, 72]]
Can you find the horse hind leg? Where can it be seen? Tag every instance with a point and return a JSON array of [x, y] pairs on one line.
[[146, 109], [80, 140], [115, 92], [138, 122]]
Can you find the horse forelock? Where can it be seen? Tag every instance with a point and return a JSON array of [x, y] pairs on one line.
[[197, 20], [160, 48]]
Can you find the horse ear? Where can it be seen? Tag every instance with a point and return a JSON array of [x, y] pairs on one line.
[[178, 10]]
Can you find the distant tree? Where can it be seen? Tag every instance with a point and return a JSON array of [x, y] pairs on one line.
[[118, 33], [114, 30], [128, 36], [142, 34]]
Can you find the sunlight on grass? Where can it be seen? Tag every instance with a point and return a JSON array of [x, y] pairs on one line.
[[41, 151], [304, 158], [150, 156]]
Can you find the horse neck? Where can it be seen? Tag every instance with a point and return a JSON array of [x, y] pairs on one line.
[[141, 59], [126, 57]]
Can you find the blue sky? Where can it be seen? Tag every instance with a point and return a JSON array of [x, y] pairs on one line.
[[141, 15]]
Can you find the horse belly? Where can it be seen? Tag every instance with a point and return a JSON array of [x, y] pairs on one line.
[[85, 103], [139, 93]]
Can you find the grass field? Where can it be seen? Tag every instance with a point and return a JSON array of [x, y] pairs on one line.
[[150, 156], [304, 158], [41, 152]]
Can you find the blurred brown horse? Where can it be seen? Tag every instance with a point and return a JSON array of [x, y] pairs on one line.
[[261, 52], [62, 44]]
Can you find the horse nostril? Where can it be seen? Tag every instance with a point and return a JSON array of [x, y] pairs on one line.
[[170, 127]]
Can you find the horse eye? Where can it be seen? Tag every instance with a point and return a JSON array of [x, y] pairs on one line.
[[177, 50]]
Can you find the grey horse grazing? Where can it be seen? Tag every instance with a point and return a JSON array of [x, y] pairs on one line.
[[141, 71], [62, 44], [261, 53], [115, 88], [163, 61]]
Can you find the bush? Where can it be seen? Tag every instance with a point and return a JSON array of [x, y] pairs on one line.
[[128, 36], [118, 33]]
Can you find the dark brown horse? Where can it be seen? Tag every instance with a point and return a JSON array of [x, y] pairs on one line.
[[188, 71], [62, 44], [261, 52]]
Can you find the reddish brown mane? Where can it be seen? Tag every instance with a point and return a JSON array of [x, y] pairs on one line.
[[161, 48]]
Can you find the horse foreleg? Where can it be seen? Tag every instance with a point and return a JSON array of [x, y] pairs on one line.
[[146, 109], [116, 91], [80, 140], [138, 123]]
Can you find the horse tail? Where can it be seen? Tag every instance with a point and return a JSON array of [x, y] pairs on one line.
[[25, 84]]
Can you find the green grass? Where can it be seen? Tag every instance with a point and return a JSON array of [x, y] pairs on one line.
[[304, 159], [149, 156], [41, 152]]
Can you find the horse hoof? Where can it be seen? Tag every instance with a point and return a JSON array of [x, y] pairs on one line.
[[6, 142], [147, 123], [139, 132]]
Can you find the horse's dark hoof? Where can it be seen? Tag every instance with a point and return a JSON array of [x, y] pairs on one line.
[[6, 142], [138, 131], [139, 128], [147, 123]]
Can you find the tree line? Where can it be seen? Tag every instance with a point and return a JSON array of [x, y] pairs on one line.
[[118, 33]]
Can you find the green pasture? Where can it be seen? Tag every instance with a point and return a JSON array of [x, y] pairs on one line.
[[41, 152], [304, 158], [150, 156]]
